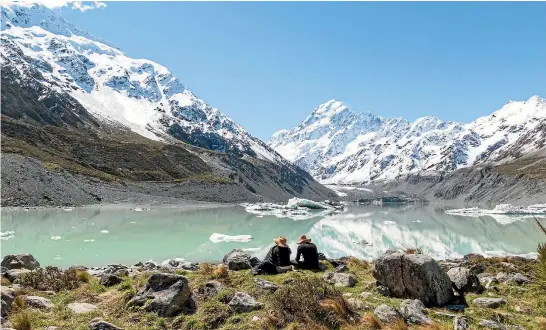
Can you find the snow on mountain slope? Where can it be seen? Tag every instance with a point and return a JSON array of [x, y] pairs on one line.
[[136, 93], [337, 145]]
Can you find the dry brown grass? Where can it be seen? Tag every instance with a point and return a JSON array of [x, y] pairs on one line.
[[371, 320], [19, 303], [51, 278], [221, 271], [4, 282], [434, 326], [399, 325], [206, 269], [541, 321], [355, 262], [21, 321], [83, 276]]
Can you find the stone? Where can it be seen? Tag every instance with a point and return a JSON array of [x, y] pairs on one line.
[[211, 289], [237, 259], [520, 279], [490, 324], [414, 276], [387, 314], [166, 294], [254, 261], [347, 294], [52, 328], [464, 280], [266, 285], [81, 308], [14, 274], [503, 277], [508, 265], [477, 268], [383, 290], [340, 279], [342, 269], [413, 311], [110, 279], [20, 261], [459, 323], [100, 324], [243, 303], [38, 302], [3, 270], [180, 263], [8, 295], [489, 302]]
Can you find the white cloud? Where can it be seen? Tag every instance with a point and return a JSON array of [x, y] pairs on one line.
[[77, 5]]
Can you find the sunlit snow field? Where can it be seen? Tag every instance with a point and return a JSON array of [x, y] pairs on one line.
[[96, 236]]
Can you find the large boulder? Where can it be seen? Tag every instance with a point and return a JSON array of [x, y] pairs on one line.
[[465, 280], [237, 259], [210, 289], [340, 279], [8, 295], [414, 312], [460, 323], [166, 294], [14, 274], [414, 276], [20, 261], [243, 303]]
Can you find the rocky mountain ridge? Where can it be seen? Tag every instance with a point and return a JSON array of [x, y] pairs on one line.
[[337, 145]]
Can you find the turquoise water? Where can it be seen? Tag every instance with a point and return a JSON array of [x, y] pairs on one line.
[[97, 236]]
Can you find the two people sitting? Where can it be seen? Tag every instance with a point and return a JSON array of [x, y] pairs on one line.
[[278, 259]]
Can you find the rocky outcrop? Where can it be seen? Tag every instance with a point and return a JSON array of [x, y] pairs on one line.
[[210, 289], [465, 280], [14, 274], [340, 279], [237, 259], [7, 295], [243, 303], [166, 294], [413, 276], [20, 261]]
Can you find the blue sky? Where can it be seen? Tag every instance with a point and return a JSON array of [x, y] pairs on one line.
[[268, 65]]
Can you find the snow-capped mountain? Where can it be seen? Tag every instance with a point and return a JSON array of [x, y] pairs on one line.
[[337, 145], [40, 48]]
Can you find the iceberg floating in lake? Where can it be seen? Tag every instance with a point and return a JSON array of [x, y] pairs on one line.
[[296, 209], [56, 238], [502, 213], [218, 238], [502, 209], [7, 235], [104, 231]]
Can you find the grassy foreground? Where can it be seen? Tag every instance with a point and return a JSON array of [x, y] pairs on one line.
[[339, 308]]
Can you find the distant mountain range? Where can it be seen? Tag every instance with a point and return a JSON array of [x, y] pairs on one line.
[[337, 145]]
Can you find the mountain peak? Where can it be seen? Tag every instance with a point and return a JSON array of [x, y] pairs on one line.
[[25, 15]]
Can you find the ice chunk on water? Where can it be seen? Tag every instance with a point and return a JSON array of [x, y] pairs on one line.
[[7, 235], [104, 231], [307, 203], [502, 209], [217, 238], [56, 238]]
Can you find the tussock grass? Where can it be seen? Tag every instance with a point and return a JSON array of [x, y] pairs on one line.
[[4, 281], [21, 321], [51, 278]]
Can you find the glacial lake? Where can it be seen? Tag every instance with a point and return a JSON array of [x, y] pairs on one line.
[[97, 236]]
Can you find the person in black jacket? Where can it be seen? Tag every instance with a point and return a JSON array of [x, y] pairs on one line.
[[309, 252], [277, 259]]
